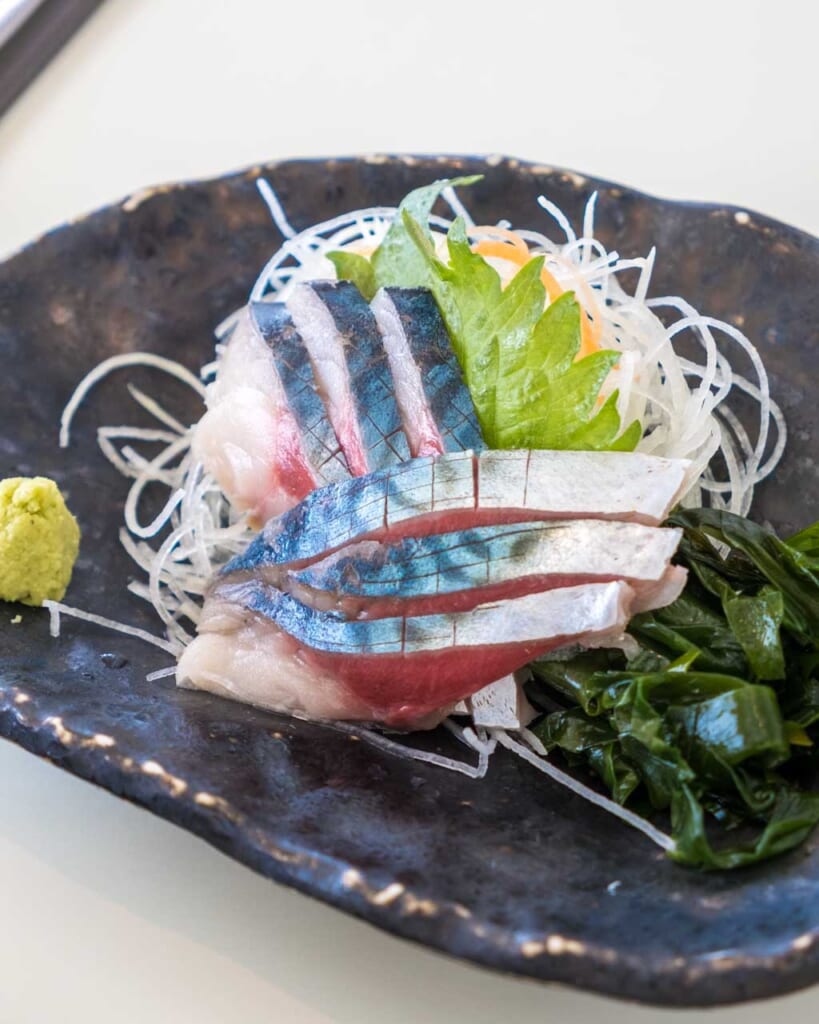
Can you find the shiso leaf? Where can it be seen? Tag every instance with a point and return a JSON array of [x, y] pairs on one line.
[[396, 261], [519, 360], [352, 266]]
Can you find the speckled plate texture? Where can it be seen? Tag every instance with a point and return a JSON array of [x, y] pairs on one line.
[[511, 872]]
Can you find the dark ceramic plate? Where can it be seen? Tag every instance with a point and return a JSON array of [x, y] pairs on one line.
[[510, 872]]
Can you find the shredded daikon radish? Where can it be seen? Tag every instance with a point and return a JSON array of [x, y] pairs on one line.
[[403, 750], [155, 409], [275, 207], [56, 609], [107, 366], [161, 673]]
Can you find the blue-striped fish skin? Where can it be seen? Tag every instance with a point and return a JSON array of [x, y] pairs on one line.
[[352, 508], [487, 555], [296, 374], [501, 485], [535, 617], [370, 379], [431, 349]]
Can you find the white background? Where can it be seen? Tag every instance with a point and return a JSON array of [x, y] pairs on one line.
[[109, 914]]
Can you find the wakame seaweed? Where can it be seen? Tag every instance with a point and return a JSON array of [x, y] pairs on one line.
[[713, 719]]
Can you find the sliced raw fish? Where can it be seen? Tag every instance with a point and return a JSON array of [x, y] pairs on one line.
[[401, 671], [458, 571], [459, 491], [249, 439], [352, 372], [435, 404], [295, 372], [247, 659]]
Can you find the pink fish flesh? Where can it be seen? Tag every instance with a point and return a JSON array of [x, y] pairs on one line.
[[258, 644]]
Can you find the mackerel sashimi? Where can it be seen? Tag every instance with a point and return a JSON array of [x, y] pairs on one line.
[[350, 606], [461, 570], [403, 566], [462, 490], [322, 387], [436, 407], [295, 371], [250, 439], [258, 644], [372, 410]]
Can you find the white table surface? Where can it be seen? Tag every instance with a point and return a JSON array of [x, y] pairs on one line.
[[110, 914]]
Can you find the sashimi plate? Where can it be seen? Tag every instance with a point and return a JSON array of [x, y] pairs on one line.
[[509, 871]]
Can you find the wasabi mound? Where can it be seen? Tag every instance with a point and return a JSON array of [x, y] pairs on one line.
[[39, 541]]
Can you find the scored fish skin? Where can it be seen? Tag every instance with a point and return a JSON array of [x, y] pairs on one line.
[[435, 404], [643, 488], [457, 571], [460, 490], [351, 366], [371, 382], [326, 351], [402, 671], [289, 355], [354, 508]]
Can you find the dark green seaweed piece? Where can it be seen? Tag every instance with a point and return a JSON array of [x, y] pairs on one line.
[[689, 722]]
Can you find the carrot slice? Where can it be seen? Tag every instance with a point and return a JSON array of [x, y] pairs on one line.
[[501, 234], [500, 250]]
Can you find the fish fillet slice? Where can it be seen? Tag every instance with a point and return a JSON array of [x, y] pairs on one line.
[[458, 571], [292, 364], [400, 671], [249, 439], [435, 404], [351, 368], [460, 491]]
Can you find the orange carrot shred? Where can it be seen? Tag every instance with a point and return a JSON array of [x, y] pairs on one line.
[[551, 284], [501, 234], [500, 250]]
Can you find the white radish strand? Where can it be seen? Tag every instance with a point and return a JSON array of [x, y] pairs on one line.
[[107, 366], [537, 758], [56, 609], [153, 407], [403, 750], [275, 207]]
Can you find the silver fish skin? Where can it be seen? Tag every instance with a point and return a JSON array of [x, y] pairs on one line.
[[352, 370], [435, 404], [582, 550], [494, 487], [568, 612], [289, 355], [258, 645]]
